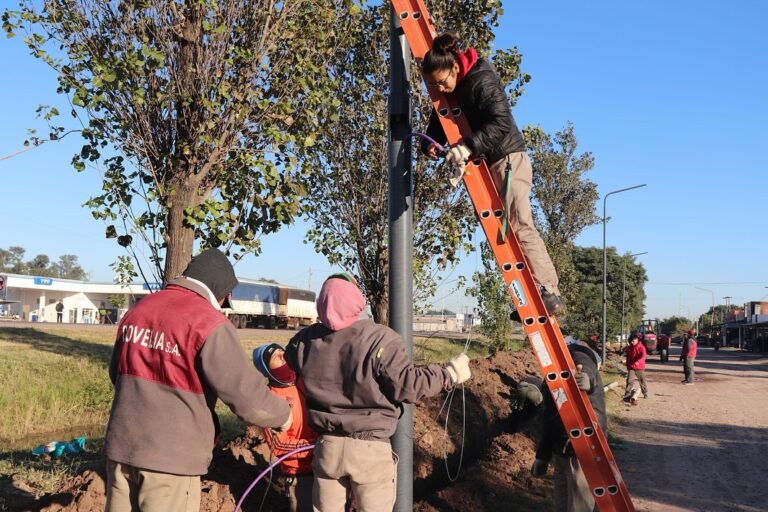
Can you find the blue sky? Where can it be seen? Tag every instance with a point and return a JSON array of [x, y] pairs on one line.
[[670, 94]]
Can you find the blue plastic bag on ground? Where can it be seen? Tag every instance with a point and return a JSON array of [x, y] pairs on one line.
[[59, 448]]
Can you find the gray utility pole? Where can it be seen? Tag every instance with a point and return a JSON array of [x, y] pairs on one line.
[[401, 240], [624, 292], [605, 264]]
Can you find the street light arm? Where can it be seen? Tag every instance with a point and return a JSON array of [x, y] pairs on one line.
[[605, 263]]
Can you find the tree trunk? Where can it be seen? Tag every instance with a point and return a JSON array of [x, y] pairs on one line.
[[179, 238], [380, 311]]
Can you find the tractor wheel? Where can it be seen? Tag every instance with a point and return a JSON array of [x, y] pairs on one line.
[[664, 355]]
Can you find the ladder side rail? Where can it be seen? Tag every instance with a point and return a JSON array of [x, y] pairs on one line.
[[577, 413], [575, 410]]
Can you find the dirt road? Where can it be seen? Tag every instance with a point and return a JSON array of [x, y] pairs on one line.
[[702, 447]]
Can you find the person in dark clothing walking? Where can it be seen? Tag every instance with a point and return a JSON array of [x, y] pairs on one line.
[[688, 355], [59, 311], [572, 492], [473, 82]]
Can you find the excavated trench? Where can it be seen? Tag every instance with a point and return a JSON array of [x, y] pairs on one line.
[[498, 449]]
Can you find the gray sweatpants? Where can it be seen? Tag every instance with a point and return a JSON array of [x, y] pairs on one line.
[[130, 489], [518, 205], [572, 492], [688, 368], [343, 464]]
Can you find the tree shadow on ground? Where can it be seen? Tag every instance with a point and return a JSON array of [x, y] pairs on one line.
[[57, 344]]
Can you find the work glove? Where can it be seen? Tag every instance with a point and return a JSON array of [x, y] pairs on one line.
[[582, 379], [457, 157], [530, 393], [458, 369], [285, 426], [539, 467]]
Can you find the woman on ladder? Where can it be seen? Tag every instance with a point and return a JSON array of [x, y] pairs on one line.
[[474, 84]]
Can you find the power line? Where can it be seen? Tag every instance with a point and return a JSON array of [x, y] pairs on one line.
[[709, 283]]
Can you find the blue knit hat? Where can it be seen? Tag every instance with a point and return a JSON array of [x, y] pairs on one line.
[[261, 357]]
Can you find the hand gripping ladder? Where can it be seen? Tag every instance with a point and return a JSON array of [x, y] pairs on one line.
[[586, 436]]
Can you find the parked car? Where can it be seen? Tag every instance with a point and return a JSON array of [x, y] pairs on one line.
[[702, 339]]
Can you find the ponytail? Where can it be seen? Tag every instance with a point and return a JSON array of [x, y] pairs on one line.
[[443, 55]]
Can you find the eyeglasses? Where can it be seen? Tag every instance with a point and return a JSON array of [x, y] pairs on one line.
[[443, 82]]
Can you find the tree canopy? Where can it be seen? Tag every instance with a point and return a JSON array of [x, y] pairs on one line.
[[67, 267], [347, 207], [194, 112], [626, 281]]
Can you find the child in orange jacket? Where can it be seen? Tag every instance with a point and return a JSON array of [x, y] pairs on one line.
[[297, 469]]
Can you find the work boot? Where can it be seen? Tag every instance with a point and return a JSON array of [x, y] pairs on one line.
[[554, 303]]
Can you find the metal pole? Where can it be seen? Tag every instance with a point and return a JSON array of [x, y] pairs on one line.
[[712, 314], [401, 241], [605, 261], [624, 290]]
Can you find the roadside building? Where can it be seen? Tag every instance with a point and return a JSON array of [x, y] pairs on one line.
[[34, 299], [432, 323]]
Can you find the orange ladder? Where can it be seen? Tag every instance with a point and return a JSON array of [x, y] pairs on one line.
[[557, 366]]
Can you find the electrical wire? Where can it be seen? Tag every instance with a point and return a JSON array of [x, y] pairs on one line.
[[269, 470]]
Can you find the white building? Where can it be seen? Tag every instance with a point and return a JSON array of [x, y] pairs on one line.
[[35, 299], [450, 323]]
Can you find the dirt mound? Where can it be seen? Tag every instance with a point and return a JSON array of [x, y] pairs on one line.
[[496, 451]]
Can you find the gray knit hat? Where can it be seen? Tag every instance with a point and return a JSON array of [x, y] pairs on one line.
[[213, 269]]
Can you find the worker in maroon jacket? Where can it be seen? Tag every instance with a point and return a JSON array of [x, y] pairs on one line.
[[476, 88], [356, 374], [636, 355], [688, 355], [175, 355]]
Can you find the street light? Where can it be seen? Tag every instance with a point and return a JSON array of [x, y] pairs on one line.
[[712, 316], [605, 258], [624, 289]]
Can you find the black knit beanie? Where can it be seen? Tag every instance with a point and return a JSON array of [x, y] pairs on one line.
[[213, 269]]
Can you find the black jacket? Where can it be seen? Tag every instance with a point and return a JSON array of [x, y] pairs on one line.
[[483, 100], [554, 439]]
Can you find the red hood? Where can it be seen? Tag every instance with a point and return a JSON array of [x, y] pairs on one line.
[[466, 61]]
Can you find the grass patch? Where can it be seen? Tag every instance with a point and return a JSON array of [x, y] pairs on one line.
[[50, 382]]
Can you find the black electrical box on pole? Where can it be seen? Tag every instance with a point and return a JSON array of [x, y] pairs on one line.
[[401, 240]]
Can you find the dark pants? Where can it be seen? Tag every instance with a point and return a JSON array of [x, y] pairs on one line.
[[59, 316], [688, 368]]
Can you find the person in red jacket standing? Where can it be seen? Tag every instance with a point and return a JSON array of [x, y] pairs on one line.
[[297, 469], [688, 355], [635, 354]]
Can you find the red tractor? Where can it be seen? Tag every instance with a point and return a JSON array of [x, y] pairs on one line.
[[647, 333], [662, 345]]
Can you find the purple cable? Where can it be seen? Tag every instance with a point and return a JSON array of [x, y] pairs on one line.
[[426, 137], [278, 461]]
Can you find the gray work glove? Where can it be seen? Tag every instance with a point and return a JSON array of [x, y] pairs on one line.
[[539, 467], [458, 369], [530, 393], [457, 157], [582, 379]]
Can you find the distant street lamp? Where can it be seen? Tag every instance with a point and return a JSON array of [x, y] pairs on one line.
[[624, 289], [605, 259], [712, 316]]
